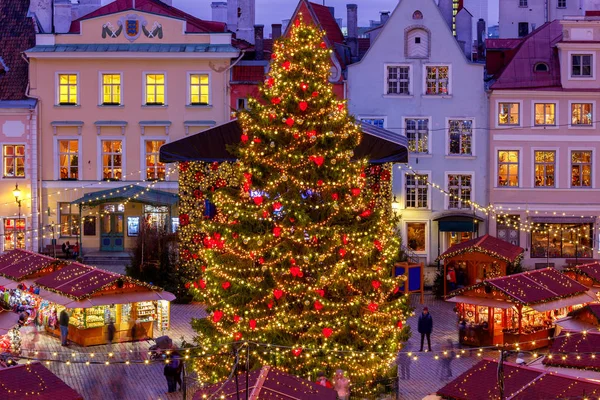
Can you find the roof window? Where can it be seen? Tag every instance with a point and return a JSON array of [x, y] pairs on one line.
[[541, 67]]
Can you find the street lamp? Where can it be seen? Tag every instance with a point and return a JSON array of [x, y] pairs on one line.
[[17, 194], [395, 206]]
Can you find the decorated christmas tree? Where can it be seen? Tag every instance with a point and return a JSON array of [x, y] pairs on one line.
[[296, 258]]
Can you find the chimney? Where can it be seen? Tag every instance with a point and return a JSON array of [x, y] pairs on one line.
[[219, 11], [481, 36], [275, 31], [352, 39], [464, 31], [241, 17], [259, 46], [62, 16], [384, 16], [43, 12]]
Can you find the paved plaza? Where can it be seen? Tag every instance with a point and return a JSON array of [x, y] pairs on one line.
[[146, 382]]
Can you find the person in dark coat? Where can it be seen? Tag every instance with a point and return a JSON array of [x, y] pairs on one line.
[[63, 321], [111, 331], [425, 327], [171, 369]]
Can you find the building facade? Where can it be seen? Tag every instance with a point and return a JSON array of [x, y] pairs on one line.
[[421, 85], [545, 145], [122, 82]]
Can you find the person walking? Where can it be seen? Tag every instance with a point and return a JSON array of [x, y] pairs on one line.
[[403, 360], [447, 359], [111, 331], [425, 327], [63, 321], [451, 279], [170, 372]]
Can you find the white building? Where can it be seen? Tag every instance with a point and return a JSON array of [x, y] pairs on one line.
[[416, 81]]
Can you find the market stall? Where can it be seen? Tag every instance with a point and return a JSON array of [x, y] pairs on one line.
[[520, 308], [33, 380], [586, 274], [478, 259], [10, 339]]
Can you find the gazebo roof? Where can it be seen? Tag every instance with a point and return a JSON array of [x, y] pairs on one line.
[[33, 380], [131, 193], [591, 270], [269, 383], [18, 264], [520, 383], [487, 244], [578, 350]]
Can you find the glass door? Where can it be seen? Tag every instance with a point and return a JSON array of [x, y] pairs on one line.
[[112, 228]]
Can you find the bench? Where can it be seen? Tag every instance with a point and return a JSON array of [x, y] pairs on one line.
[[50, 249], [573, 262]]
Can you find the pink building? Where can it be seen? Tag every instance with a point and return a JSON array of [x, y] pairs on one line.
[[545, 144], [18, 132]]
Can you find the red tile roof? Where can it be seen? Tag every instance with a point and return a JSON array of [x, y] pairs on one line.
[[489, 244], [591, 270], [20, 381], [570, 347], [520, 383], [537, 47], [17, 32], [195, 25], [18, 264], [502, 43], [328, 23]]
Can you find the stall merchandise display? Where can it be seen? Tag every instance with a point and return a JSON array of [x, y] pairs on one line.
[[163, 315], [146, 311], [126, 312], [48, 314], [11, 342]]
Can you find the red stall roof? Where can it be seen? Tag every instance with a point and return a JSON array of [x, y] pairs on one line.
[[577, 350], [520, 383], [591, 270], [18, 264], [34, 381], [497, 248]]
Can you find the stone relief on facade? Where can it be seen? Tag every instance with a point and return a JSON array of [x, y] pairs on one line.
[[133, 25]]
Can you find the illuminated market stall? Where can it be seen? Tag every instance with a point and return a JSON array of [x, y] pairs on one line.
[[520, 308], [478, 259], [34, 381], [586, 274]]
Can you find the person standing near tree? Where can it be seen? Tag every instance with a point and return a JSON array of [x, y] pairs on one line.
[[425, 327]]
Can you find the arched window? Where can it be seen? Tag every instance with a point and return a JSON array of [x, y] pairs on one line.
[[417, 15], [541, 67]]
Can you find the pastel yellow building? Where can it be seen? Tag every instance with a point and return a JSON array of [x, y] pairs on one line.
[[116, 87]]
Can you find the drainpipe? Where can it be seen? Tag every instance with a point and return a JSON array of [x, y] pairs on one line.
[[228, 85]]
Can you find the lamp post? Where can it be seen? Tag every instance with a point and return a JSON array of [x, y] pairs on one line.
[[395, 206], [17, 194]]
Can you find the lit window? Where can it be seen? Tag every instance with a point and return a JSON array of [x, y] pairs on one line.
[[398, 80], [545, 114], [378, 122], [111, 89], [508, 168], [508, 114], [69, 220], [544, 168], [581, 65], [155, 89], [581, 169], [562, 241], [417, 191], [67, 89], [155, 170], [459, 188], [417, 132], [437, 80], [156, 216], [112, 159], [581, 114], [68, 159], [199, 89], [416, 236], [14, 161], [461, 137], [14, 233]]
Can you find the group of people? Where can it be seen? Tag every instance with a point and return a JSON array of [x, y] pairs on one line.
[[341, 384], [70, 251]]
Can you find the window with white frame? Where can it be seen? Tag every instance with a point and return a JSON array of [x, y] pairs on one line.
[[69, 220], [14, 233], [155, 89], [459, 188], [378, 122], [111, 89], [460, 137], [398, 79], [508, 168], [508, 113], [581, 169], [155, 170], [561, 4], [581, 114], [13, 160], [112, 160], [417, 133], [437, 79], [545, 114], [68, 159], [199, 89], [417, 191], [581, 65], [67, 89], [545, 167]]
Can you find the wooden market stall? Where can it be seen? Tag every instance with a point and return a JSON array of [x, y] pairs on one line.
[[478, 259], [520, 308], [33, 380], [588, 275]]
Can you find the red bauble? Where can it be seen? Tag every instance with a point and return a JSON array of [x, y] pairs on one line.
[[297, 351], [187, 285], [377, 244], [303, 86], [252, 323], [297, 22], [355, 192], [341, 106], [292, 261], [236, 318], [270, 82], [203, 268], [202, 284], [296, 272], [275, 100], [342, 252], [366, 213], [345, 239], [237, 336], [184, 219], [261, 260], [319, 160], [258, 200], [286, 65], [335, 196], [270, 305], [277, 293], [274, 56], [315, 94], [376, 284], [244, 138], [373, 307], [256, 140], [296, 135], [217, 315], [277, 231], [396, 289], [320, 182], [318, 305], [399, 324], [311, 133], [327, 332], [265, 214], [226, 285], [277, 206], [303, 105], [289, 122], [323, 45], [320, 292]]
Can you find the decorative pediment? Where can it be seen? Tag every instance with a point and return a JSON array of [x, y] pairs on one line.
[[131, 26]]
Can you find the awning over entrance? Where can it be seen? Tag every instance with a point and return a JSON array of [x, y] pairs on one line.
[[458, 223], [378, 145], [131, 193], [481, 301]]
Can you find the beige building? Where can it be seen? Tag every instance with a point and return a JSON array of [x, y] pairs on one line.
[[111, 91]]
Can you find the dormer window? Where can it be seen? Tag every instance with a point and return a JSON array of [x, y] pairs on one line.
[[541, 67], [581, 65], [417, 15]]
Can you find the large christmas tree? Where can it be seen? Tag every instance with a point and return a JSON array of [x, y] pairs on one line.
[[297, 260]]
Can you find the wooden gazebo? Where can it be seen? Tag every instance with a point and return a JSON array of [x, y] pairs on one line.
[[478, 259]]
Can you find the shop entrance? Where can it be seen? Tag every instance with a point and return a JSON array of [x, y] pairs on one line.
[[111, 227]]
